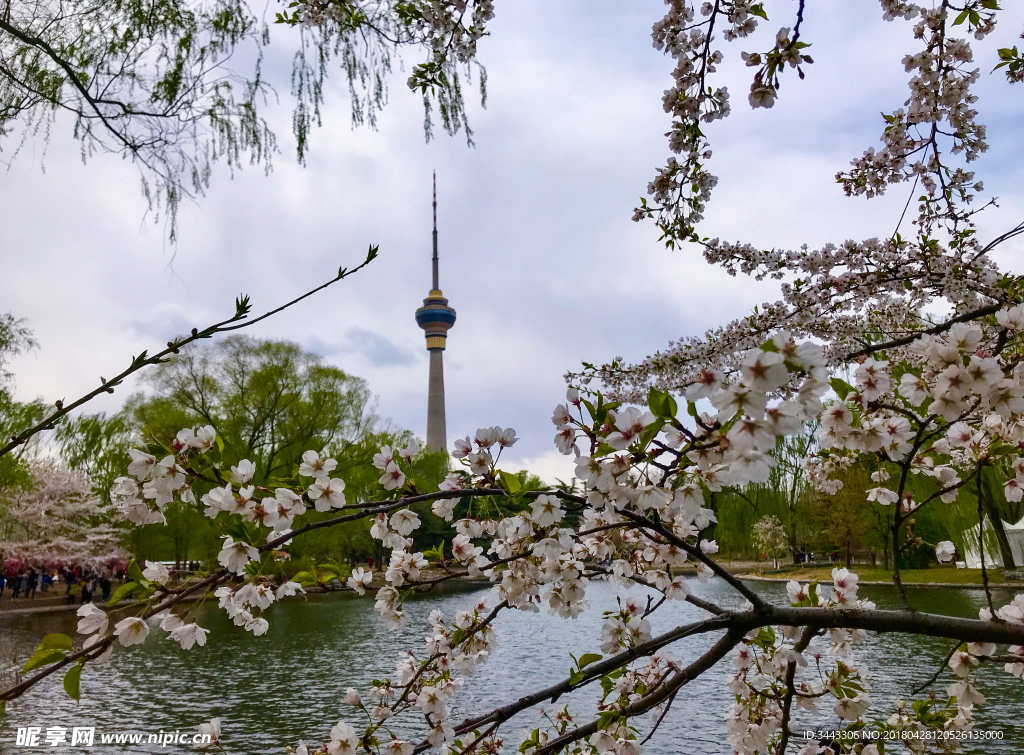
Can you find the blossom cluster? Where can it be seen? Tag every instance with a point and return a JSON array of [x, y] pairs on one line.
[[949, 409], [845, 295]]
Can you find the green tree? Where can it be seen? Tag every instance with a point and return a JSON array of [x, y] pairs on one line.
[[269, 401], [97, 445], [15, 339]]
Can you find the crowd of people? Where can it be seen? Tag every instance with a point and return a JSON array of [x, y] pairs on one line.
[[80, 584]]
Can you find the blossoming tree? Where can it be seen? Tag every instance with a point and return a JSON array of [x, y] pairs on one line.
[[849, 345], [59, 519], [769, 537]]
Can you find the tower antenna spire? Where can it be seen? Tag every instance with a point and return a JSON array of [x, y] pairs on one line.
[[436, 286]]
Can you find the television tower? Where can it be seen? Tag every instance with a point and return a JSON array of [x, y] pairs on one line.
[[436, 318]]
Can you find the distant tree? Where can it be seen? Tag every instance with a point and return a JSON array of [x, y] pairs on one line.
[[98, 445], [770, 538], [842, 518], [15, 339], [268, 400], [59, 519]]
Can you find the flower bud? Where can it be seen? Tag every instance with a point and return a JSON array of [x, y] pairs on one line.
[[352, 698]]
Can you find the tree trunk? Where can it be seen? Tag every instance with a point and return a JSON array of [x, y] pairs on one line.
[[997, 525], [792, 525], [849, 555]]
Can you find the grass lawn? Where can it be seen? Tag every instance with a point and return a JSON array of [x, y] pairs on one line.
[[823, 573]]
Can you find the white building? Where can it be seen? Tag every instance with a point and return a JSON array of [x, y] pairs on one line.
[[1014, 533]]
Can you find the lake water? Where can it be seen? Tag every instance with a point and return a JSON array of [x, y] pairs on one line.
[[290, 684]]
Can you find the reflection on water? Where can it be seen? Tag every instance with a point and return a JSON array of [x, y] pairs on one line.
[[290, 684]]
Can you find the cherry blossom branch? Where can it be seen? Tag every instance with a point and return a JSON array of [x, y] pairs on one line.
[[242, 308], [966, 317], [717, 651], [588, 674], [900, 622], [738, 624], [697, 553], [706, 605], [981, 547], [938, 672], [787, 702], [469, 633]]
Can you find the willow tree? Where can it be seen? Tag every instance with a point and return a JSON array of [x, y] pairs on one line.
[[176, 86]]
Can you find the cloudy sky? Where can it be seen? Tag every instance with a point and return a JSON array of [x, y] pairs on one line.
[[538, 252]]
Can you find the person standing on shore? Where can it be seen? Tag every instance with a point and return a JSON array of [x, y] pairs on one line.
[[32, 582], [16, 581], [3, 583]]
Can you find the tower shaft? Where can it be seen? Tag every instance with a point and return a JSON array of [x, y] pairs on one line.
[[437, 432]]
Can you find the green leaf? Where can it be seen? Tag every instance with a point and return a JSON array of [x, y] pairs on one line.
[[43, 658], [56, 641], [590, 409], [691, 408], [758, 10], [650, 432], [135, 572], [765, 638], [607, 718], [511, 483], [661, 403], [769, 345], [436, 553], [961, 18], [71, 681], [841, 387], [122, 592], [333, 569], [242, 531], [587, 658]]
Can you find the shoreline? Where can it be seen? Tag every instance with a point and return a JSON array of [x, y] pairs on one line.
[[874, 583], [52, 608], [12, 613]]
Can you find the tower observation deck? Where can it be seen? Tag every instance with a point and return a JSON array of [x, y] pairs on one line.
[[436, 318]]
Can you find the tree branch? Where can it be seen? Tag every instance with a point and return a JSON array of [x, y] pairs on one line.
[[173, 347]]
